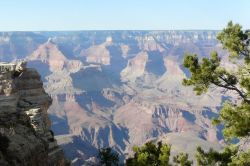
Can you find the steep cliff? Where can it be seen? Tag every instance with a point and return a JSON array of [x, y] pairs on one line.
[[26, 138]]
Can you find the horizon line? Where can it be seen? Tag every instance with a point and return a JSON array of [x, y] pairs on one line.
[[109, 30]]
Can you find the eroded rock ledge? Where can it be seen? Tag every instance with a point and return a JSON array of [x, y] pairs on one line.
[[25, 135]]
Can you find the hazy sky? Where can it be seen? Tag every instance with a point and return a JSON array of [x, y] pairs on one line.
[[28, 15]]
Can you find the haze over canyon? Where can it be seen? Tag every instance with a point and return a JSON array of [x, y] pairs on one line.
[[121, 88]]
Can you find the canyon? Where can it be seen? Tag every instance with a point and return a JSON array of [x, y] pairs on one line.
[[121, 88]]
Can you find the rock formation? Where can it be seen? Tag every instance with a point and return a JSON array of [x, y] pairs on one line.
[[97, 54], [26, 138], [118, 88], [49, 54], [135, 67]]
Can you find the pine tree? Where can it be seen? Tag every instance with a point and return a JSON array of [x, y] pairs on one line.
[[150, 155], [235, 117], [182, 160], [108, 157]]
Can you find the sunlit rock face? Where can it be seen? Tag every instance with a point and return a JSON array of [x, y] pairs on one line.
[[24, 120], [119, 88]]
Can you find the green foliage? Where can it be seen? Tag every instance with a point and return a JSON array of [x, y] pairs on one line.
[[202, 73], [213, 157], [229, 157], [236, 120], [4, 143], [164, 153], [209, 72], [150, 155], [243, 159], [182, 160], [235, 117], [108, 157], [236, 41]]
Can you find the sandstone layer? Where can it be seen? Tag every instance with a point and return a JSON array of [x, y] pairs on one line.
[[26, 138]]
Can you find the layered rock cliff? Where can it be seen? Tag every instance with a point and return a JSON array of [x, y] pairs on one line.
[[26, 138]]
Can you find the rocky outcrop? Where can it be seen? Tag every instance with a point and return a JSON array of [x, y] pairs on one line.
[[149, 43], [49, 54], [97, 54], [145, 120], [26, 138], [135, 67]]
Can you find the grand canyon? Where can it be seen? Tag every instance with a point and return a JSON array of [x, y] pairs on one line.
[[121, 88]]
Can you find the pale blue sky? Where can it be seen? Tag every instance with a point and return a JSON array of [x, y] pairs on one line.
[[27, 15]]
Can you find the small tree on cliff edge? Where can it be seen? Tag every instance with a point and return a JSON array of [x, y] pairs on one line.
[[150, 154], [234, 117], [108, 157]]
